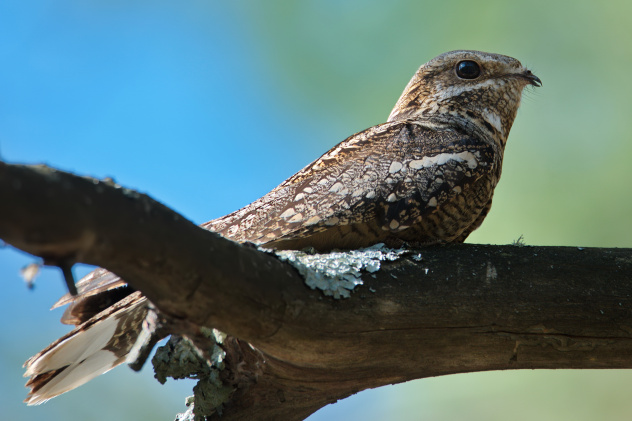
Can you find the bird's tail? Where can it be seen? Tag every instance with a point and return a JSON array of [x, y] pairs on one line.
[[92, 348]]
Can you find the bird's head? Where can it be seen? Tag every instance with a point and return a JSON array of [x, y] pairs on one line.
[[478, 92]]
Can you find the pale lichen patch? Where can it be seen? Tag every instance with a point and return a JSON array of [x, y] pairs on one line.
[[492, 273], [338, 273], [179, 359]]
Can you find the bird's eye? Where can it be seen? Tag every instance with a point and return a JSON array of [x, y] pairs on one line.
[[468, 69]]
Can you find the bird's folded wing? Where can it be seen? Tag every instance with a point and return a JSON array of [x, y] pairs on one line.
[[373, 185]]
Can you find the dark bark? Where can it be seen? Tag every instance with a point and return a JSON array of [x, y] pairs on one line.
[[461, 308]]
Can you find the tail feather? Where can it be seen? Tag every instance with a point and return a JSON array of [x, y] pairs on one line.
[[92, 348]]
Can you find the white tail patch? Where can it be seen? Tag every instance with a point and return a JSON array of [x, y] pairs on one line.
[[75, 375], [79, 356]]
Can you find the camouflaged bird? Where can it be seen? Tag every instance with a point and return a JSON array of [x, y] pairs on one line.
[[426, 176]]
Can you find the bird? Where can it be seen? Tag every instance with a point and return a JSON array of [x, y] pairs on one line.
[[424, 177]]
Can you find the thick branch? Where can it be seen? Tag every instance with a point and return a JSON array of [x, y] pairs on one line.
[[459, 309]]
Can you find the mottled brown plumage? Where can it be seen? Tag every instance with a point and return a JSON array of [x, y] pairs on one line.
[[423, 177], [426, 176]]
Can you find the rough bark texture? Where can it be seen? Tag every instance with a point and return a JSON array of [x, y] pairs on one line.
[[460, 308]]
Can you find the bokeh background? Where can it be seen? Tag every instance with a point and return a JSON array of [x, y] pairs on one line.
[[207, 105]]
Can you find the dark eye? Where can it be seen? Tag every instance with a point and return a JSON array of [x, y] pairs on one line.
[[468, 69]]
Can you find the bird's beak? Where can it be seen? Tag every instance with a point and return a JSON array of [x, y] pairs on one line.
[[533, 79]]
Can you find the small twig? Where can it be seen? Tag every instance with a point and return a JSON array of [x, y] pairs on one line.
[[66, 269]]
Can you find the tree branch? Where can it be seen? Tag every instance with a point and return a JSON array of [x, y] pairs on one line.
[[455, 309]]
